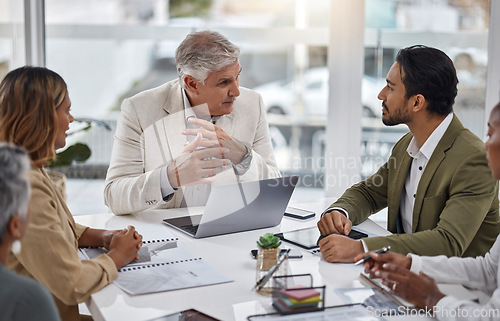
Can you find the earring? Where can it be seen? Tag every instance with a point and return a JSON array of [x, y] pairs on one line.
[[16, 247]]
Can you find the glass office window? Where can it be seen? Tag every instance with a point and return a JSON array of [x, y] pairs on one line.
[[11, 35], [459, 28], [111, 49]]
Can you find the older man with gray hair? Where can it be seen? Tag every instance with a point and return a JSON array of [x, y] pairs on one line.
[[174, 142]]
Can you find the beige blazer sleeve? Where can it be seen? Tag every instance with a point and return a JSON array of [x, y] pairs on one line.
[[129, 187], [50, 245]]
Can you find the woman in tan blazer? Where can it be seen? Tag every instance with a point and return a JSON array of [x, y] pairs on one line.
[[35, 114]]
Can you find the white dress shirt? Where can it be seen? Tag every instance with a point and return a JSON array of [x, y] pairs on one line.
[[193, 195], [196, 195], [420, 157]]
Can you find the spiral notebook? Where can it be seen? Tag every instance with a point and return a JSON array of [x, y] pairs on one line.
[[152, 251], [163, 265]]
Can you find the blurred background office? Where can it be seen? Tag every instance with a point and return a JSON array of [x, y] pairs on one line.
[[319, 65]]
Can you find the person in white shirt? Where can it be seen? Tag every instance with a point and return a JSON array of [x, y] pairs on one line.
[[414, 277], [436, 185]]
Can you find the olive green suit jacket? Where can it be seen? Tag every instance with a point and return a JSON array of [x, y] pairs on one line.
[[456, 205]]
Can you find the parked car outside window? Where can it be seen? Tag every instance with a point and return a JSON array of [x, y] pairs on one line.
[[279, 96]]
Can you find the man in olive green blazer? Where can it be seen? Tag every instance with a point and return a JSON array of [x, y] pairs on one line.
[[437, 186]]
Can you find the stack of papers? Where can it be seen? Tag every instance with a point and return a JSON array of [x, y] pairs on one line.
[[297, 298], [163, 265]]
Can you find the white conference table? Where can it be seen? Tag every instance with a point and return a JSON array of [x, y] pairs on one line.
[[230, 255]]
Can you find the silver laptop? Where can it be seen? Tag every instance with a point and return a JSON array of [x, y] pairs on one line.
[[238, 207]]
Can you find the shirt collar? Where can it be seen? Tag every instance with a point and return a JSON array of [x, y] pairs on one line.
[[188, 109], [431, 143]]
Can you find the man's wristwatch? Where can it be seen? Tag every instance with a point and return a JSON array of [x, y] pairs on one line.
[[246, 159]]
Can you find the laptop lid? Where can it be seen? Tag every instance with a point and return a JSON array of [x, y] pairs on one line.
[[243, 206], [246, 206]]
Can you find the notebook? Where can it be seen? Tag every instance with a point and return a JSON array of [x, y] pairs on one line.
[[164, 265], [237, 207], [152, 251]]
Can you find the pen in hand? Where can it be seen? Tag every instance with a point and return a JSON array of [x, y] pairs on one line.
[[369, 258]]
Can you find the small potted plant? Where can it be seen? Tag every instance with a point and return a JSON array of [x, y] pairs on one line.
[[268, 251]]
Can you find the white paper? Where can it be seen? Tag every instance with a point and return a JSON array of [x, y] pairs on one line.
[[168, 276], [163, 265]]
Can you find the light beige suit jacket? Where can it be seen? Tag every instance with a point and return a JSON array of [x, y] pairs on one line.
[[49, 251], [148, 138]]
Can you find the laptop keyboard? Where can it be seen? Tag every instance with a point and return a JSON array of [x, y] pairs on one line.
[[189, 228]]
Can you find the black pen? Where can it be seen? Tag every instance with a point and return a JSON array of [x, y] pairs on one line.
[[369, 258]]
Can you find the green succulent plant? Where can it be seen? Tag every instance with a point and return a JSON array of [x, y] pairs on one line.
[[78, 152], [268, 241]]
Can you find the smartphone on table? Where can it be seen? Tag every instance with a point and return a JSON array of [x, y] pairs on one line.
[[298, 213], [293, 254]]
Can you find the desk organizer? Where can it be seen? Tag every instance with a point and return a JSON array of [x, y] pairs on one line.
[[296, 294], [266, 258]]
